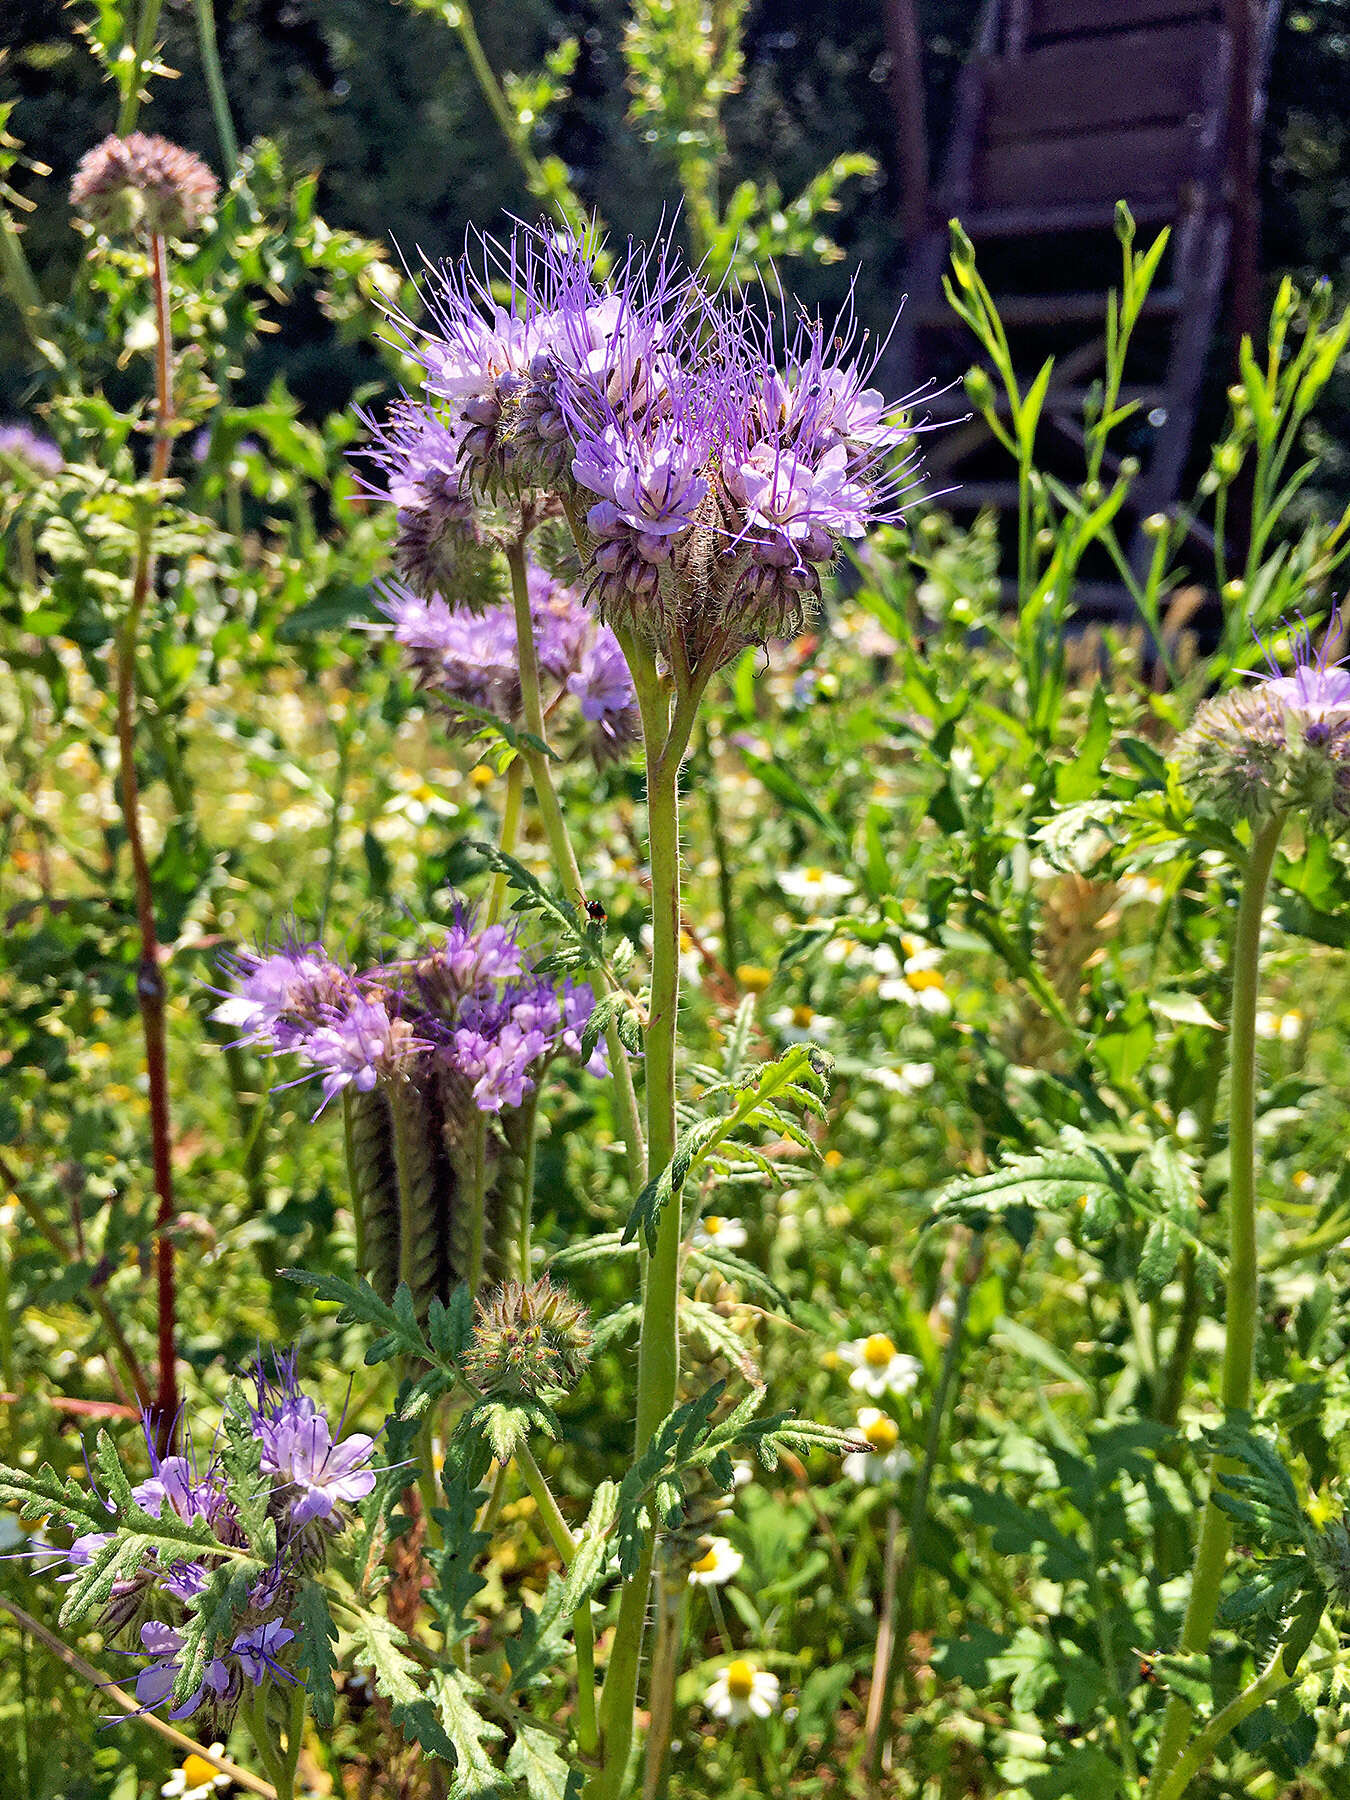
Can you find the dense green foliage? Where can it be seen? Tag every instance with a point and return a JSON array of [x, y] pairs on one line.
[[959, 948]]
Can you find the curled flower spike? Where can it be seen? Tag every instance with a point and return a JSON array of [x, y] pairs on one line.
[[1279, 746], [144, 186], [468, 1005]]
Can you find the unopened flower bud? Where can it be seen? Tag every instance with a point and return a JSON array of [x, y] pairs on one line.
[[529, 1340], [143, 186]]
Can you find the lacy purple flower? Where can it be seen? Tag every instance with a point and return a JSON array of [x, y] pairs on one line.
[[156, 1680], [298, 1446], [467, 963], [578, 1005], [36, 454], [498, 1067], [795, 509], [282, 994], [604, 688], [472, 661], [359, 1044]]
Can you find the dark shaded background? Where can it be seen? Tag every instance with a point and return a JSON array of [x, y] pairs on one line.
[[382, 102]]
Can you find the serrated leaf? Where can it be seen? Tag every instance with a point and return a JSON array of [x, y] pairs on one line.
[[1158, 1259], [476, 1776], [317, 1634], [536, 1761]]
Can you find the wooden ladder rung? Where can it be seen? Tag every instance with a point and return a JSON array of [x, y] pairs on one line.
[[956, 404], [1018, 310]]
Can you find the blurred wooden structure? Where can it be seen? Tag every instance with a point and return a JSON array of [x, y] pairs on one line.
[[1066, 107]]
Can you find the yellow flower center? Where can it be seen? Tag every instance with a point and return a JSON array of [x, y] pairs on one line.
[[882, 1434], [919, 979], [481, 775], [753, 978], [741, 1680], [713, 1224], [833, 1158], [802, 1017], [198, 1771], [878, 1350], [814, 874], [706, 1565]]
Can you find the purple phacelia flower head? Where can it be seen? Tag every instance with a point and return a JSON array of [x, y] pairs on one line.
[[34, 455], [360, 1044], [281, 994], [468, 963], [603, 687], [319, 1471], [1278, 747], [155, 1683], [441, 548]]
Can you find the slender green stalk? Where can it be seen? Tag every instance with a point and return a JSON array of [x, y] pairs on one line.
[[583, 1629], [672, 1592], [511, 811], [659, 1342], [898, 1600], [560, 846], [1216, 1532], [353, 1184], [18, 278], [142, 52], [215, 85], [1267, 1684]]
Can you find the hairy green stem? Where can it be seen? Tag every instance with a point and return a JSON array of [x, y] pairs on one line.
[[142, 51], [511, 811], [898, 1599], [1216, 1532], [1206, 1741], [560, 846], [583, 1629], [215, 86], [665, 742]]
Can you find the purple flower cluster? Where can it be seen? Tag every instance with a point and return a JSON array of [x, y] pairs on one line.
[[314, 1473], [710, 460], [1280, 746], [469, 1002], [469, 659], [35, 454]]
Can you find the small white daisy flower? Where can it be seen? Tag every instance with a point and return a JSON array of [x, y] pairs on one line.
[[887, 1459], [742, 1691], [800, 1024], [814, 885], [1286, 1026], [742, 1474], [907, 1079], [714, 1231], [195, 1778], [717, 1565], [878, 1367]]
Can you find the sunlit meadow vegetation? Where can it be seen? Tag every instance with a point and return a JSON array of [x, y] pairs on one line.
[[653, 1140]]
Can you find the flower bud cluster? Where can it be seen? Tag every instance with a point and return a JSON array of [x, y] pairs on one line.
[[313, 1476], [142, 186], [1280, 746], [469, 1003], [710, 463], [533, 1340], [470, 659]]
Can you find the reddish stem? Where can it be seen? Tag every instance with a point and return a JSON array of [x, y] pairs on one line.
[[149, 974]]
